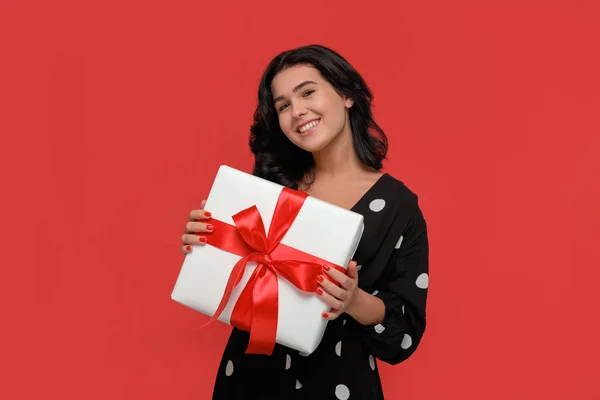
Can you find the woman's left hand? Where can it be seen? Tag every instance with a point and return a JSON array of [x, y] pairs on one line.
[[340, 299]]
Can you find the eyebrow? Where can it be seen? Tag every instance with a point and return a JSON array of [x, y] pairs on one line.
[[298, 87]]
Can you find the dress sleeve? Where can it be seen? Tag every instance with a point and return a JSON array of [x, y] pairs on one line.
[[404, 293]]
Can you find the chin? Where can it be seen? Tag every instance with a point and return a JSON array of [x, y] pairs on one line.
[[312, 144]]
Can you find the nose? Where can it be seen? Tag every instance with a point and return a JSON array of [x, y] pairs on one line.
[[298, 110]]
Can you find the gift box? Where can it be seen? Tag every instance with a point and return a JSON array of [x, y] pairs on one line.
[[258, 270]]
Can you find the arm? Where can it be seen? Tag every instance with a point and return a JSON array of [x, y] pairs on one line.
[[396, 336], [366, 308]]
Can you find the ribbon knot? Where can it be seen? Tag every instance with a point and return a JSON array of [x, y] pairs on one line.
[[265, 259], [251, 228]]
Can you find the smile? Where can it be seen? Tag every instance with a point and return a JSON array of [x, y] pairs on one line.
[[308, 127]]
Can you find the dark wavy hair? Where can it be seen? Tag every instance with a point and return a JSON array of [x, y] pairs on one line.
[[279, 160]]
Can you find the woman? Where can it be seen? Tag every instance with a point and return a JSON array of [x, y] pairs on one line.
[[313, 130]]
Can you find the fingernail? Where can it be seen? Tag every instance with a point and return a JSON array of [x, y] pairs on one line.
[[210, 227], [319, 291], [325, 315], [207, 214], [320, 278], [326, 267], [203, 240], [188, 248]]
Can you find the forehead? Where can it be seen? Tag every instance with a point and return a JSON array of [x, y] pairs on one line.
[[285, 81]]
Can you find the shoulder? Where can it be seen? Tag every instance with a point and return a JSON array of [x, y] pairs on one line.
[[408, 213], [398, 192]]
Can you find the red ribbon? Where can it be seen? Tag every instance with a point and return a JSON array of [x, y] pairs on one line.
[[257, 307]]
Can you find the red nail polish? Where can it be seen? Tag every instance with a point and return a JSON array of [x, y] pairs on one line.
[[203, 240], [320, 278], [188, 248], [210, 227], [326, 267], [207, 214], [325, 315], [319, 291]]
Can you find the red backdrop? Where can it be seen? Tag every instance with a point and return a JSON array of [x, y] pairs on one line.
[[115, 116]]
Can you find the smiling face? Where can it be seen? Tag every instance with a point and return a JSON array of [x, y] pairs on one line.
[[311, 113]]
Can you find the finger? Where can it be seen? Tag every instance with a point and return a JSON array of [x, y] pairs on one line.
[[344, 280], [352, 272], [333, 289], [330, 300], [186, 249], [196, 215], [331, 315], [193, 239], [202, 204], [193, 227]]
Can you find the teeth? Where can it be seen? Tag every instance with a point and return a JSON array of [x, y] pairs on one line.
[[308, 126]]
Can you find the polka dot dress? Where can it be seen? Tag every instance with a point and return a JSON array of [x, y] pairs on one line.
[[393, 266]]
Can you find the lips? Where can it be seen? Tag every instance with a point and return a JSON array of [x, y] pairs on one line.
[[307, 126]]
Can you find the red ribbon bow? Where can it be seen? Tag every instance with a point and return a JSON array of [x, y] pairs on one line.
[[257, 307]]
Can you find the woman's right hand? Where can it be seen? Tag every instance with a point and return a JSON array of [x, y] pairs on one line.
[[196, 225]]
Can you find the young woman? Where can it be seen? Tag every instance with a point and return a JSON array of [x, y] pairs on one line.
[[313, 130]]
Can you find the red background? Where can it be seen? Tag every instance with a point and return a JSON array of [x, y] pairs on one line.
[[115, 116]]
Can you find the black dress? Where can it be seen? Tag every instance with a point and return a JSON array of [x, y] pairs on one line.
[[393, 258]]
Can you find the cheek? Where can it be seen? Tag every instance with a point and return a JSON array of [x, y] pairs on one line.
[[335, 114], [331, 105]]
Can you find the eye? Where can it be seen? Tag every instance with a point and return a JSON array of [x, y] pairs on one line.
[[282, 107], [308, 92]]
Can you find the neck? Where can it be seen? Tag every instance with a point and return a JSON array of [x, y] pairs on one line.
[[338, 159]]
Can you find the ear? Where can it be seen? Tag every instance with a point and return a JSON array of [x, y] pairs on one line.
[[348, 102]]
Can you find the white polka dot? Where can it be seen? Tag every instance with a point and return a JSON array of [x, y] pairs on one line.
[[379, 328], [372, 362], [402, 308], [229, 368], [342, 392], [375, 292], [399, 243], [288, 361], [298, 384], [303, 354], [358, 268], [344, 322], [338, 348], [406, 342], [377, 205], [423, 281]]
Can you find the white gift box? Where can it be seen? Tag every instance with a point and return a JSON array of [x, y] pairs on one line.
[[321, 229]]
